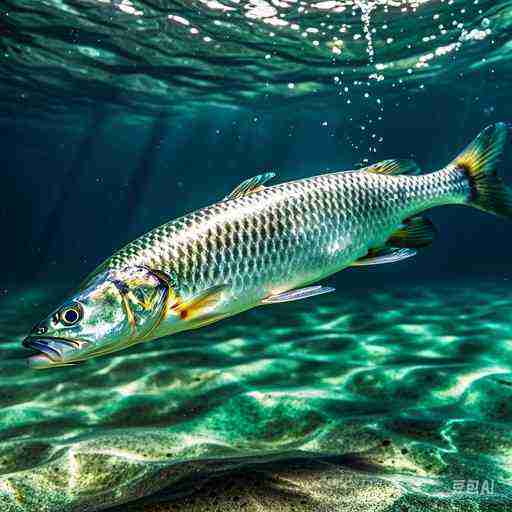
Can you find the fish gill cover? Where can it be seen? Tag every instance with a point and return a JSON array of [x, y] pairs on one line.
[[376, 398]]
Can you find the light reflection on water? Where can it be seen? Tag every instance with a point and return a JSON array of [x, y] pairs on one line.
[[155, 56]]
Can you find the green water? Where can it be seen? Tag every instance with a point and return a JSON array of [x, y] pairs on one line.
[[151, 57], [394, 398], [392, 394]]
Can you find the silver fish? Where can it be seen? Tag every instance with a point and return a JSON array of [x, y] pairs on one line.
[[263, 245]]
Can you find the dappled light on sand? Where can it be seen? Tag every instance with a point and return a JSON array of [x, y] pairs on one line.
[[380, 397]]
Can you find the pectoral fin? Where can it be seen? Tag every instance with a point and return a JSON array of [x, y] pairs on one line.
[[200, 303], [384, 255], [251, 185], [300, 293]]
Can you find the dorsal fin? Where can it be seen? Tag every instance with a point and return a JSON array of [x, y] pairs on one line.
[[391, 167], [250, 185], [414, 232]]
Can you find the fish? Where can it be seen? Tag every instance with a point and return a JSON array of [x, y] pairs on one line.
[[263, 245]]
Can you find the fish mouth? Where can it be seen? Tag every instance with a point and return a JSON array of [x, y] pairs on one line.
[[52, 351]]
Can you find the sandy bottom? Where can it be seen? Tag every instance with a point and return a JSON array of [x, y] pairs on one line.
[[382, 400]]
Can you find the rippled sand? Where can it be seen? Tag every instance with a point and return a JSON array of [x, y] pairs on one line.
[[377, 400]]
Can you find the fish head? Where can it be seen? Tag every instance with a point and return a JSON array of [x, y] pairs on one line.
[[112, 311]]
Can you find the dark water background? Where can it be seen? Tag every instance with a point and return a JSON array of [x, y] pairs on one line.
[[85, 171], [116, 118], [72, 194]]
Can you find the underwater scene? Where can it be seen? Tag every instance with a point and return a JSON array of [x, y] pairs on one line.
[[256, 255]]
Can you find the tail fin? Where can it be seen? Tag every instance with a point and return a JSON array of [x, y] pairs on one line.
[[480, 161]]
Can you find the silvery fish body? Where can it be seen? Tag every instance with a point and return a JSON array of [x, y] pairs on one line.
[[262, 245], [285, 236]]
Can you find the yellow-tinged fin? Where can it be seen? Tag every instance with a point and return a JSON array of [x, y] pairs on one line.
[[480, 161], [298, 294], [250, 185], [392, 167], [413, 232], [384, 255], [201, 303]]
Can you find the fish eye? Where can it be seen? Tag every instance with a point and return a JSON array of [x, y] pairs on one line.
[[71, 314]]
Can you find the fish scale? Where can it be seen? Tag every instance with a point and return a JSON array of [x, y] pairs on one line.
[[286, 234], [263, 245]]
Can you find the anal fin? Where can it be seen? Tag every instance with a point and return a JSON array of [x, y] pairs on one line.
[[384, 255], [414, 232], [298, 294]]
